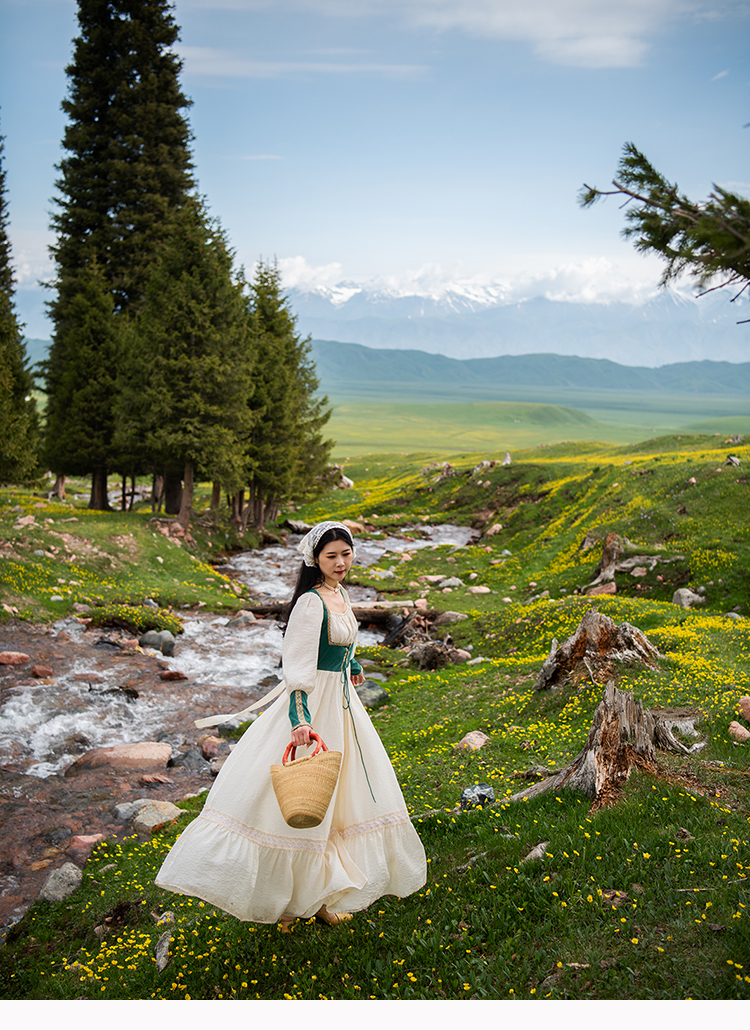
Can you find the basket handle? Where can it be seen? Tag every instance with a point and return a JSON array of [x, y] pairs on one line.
[[291, 748]]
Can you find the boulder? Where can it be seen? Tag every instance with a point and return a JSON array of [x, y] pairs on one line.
[[42, 672], [210, 746], [172, 675], [81, 846], [125, 811], [685, 598], [477, 796], [372, 695], [190, 759], [494, 529], [145, 757], [62, 882], [445, 618], [155, 815], [13, 658], [479, 590], [473, 741], [243, 618], [162, 641], [739, 733], [743, 707], [602, 588]]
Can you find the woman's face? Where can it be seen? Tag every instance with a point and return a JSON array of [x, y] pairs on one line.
[[335, 560]]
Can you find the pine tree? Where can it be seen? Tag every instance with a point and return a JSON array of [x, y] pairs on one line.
[[19, 428], [82, 383], [183, 398], [127, 167], [709, 241], [287, 453]]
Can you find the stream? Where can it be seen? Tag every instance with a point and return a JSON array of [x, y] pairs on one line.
[[104, 691]]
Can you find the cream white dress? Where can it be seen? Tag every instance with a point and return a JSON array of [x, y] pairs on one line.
[[241, 856]]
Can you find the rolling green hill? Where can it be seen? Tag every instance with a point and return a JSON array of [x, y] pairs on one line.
[[366, 368]]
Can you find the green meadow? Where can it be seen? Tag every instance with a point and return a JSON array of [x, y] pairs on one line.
[[643, 899], [426, 421]]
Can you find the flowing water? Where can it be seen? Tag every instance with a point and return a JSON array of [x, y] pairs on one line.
[[103, 692]]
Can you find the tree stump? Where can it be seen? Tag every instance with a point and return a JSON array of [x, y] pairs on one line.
[[623, 736], [594, 649], [611, 554]]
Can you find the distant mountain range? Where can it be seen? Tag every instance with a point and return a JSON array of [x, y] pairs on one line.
[[343, 366], [474, 322]]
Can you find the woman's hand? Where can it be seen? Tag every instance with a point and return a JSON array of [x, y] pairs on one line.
[[301, 736], [358, 680]]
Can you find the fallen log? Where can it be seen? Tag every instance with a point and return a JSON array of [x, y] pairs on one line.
[[623, 736], [377, 611]]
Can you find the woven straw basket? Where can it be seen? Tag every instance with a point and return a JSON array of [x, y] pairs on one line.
[[304, 787]]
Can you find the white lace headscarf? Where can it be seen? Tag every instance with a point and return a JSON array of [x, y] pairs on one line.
[[308, 543]]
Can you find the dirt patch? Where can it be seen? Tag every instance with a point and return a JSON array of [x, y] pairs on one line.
[[127, 543]]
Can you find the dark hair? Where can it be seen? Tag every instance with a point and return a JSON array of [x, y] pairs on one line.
[[309, 575]]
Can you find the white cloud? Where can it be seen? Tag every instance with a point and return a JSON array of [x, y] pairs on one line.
[[584, 33], [31, 260], [595, 280], [297, 273], [209, 61]]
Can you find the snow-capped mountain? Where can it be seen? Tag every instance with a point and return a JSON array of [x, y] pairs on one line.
[[473, 319]]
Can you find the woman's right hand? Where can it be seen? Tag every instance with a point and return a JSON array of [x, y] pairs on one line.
[[301, 736]]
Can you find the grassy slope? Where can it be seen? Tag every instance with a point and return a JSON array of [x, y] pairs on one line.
[[451, 420], [644, 900]]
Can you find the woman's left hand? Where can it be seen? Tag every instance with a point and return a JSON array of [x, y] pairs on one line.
[[358, 679]]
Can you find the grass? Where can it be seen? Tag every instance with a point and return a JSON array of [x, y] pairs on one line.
[[59, 556], [465, 419], [646, 899]]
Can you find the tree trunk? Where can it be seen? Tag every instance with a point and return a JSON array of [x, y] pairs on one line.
[[186, 507], [132, 493], [173, 493], [157, 492], [58, 490], [124, 493], [99, 500], [623, 736], [216, 497]]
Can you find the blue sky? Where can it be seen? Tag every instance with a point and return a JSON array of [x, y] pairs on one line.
[[412, 141]]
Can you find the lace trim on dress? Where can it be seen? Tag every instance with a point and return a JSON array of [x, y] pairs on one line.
[[394, 819], [269, 840]]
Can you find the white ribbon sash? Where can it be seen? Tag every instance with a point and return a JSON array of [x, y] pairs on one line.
[[217, 720]]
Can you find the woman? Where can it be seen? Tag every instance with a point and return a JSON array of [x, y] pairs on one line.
[[239, 854]]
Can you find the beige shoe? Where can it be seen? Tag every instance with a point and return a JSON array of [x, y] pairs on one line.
[[285, 925]]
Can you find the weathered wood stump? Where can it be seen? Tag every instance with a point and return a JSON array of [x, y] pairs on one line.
[[623, 736], [611, 554], [594, 649]]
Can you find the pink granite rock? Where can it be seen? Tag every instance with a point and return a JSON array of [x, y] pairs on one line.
[[148, 756], [473, 741], [13, 658]]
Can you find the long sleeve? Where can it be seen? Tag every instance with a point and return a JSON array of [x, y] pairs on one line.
[[355, 668], [299, 653]]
